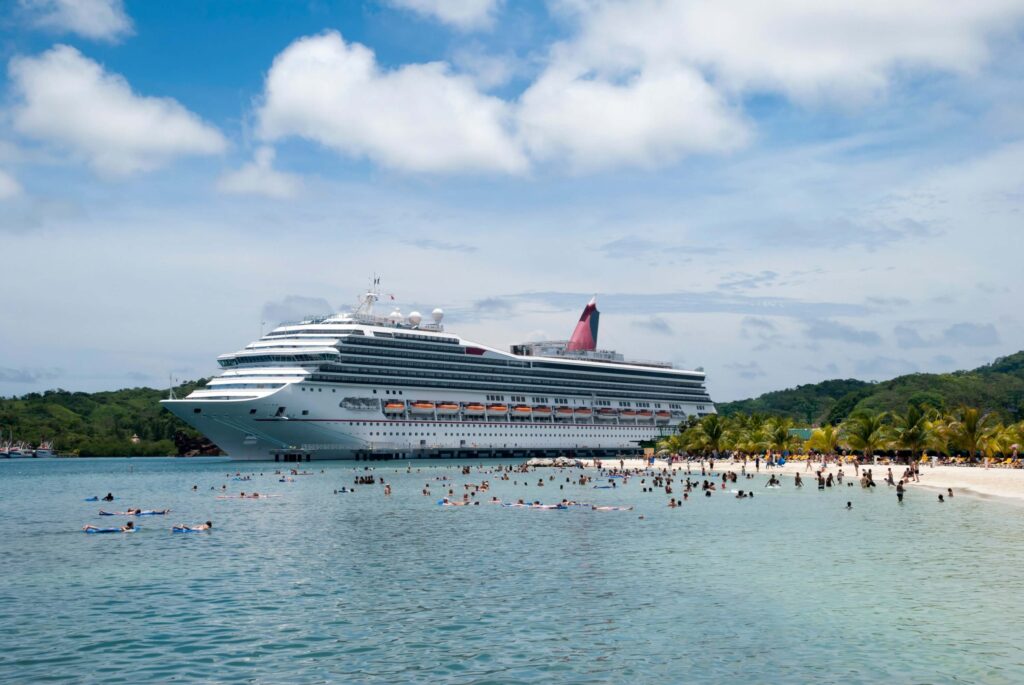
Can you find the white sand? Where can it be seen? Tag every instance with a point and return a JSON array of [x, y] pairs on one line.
[[992, 482]]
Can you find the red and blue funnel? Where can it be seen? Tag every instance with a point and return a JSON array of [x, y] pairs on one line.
[[585, 335]]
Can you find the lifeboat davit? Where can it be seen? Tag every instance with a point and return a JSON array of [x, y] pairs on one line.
[[607, 414], [447, 408], [422, 407], [394, 407], [663, 415], [473, 409], [497, 409]]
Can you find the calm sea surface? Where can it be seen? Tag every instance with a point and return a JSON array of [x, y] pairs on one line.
[[313, 587]]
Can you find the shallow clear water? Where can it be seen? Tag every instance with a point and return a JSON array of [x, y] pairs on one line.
[[314, 587]]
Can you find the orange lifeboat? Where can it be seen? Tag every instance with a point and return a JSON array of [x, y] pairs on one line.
[[473, 409], [542, 410], [522, 410], [663, 415], [583, 411], [422, 407], [497, 409], [607, 414], [645, 414], [563, 413], [394, 407], [447, 408], [628, 414]]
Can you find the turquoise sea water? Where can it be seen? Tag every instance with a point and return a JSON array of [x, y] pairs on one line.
[[314, 587]]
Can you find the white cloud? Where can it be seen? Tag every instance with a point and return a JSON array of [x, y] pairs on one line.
[[260, 178], [651, 118], [69, 100], [462, 14], [96, 19], [420, 117], [9, 186], [803, 48]]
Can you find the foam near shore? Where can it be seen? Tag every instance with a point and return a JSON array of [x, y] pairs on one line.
[[990, 482]]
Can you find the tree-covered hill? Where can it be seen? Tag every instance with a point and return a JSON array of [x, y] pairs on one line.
[[96, 424], [997, 387]]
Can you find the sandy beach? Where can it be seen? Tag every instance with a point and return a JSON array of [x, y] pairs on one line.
[[976, 481]]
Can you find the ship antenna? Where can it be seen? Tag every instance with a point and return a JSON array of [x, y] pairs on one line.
[[372, 294]]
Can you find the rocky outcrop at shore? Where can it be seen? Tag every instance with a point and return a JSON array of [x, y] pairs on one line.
[[194, 447]]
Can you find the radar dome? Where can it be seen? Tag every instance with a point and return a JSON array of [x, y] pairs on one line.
[[415, 318], [437, 315], [395, 316]]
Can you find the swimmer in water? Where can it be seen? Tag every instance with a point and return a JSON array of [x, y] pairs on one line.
[[128, 527], [949, 492], [202, 526], [108, 498], [941, 498], [849, 505]]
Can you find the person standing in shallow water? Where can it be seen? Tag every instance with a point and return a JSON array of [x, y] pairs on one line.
[[899, 491]]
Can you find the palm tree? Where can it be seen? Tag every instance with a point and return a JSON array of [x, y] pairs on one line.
[[824, 439], [779, 437], [914, 430], [970, 429], [708, 434], [866, 432]]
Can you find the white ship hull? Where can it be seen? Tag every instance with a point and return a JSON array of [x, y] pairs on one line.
[[313, 426]]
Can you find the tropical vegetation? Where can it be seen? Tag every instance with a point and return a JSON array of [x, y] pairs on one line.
[[968, 434], [996, 389], [97, 424]]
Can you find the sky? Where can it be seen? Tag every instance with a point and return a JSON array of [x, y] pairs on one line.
[[779, 193]]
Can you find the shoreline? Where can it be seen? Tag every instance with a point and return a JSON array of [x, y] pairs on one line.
[[993, 483]]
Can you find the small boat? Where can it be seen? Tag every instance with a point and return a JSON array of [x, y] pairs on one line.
[[663, 415], [607, 414], [44, 451], [541, 410], [645, 415], [565, 413], [394, 407], [497, 409], [422, 407], [473, 409], [584, 412], [522, 410], [628, 414], [447, 408], [19, 451]]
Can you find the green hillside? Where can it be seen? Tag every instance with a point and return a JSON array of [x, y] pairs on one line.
[[97, 424], [998, 387]]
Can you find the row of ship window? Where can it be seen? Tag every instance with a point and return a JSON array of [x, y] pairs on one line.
[[630, 388], [468, 386], [539, 368], [490, 398], [596, 376], [457, 424], [377, 349]]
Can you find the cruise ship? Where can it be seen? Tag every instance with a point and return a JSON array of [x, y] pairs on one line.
[[358, 385]]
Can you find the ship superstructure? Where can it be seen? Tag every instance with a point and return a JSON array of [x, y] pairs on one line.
[[358, 385]]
